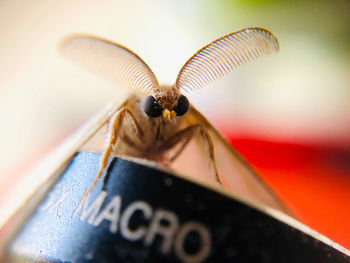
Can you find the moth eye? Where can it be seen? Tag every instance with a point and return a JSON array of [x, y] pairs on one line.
[[152, 108], [182, 106]]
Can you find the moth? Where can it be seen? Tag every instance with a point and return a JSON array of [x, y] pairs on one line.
[[157, 122]]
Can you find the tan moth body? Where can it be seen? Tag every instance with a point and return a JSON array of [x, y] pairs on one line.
[[140, 135], [157, 122]]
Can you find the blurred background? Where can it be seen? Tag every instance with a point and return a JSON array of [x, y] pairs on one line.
[[288, 114]]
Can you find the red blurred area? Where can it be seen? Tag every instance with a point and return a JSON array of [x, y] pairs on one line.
[[313, 180]]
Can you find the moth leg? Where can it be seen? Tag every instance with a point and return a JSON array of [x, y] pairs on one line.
[[185, 136], [137, 125], [114, 129]]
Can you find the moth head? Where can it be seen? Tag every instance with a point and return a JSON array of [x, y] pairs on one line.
[[166, 102]]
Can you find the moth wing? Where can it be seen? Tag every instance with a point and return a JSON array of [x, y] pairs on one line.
[[224, 55], [111, 60], [237, 175]]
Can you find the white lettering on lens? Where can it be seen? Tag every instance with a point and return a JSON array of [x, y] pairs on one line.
[[138, 233], [163, 223], [204, 248], [167, 231], [93, 209], [111, 213]]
